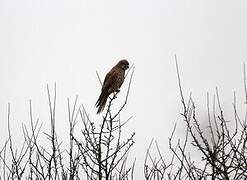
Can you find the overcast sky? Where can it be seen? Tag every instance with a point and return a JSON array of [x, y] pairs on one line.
[[66, 41]]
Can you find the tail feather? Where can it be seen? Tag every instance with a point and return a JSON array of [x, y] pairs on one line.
[[101, 102]]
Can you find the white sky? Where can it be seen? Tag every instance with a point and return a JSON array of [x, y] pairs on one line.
[[66, 41]]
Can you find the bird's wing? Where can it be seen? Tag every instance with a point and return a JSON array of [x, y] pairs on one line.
[[110, 79]]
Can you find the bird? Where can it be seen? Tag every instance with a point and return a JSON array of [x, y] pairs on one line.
[[112, 83]]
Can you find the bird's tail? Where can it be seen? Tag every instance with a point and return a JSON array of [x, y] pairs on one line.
[[101, 102]]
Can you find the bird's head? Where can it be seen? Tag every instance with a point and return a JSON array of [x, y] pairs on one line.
[[123, 64]]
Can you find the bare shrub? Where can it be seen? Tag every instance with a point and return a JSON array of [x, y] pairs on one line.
[[223, 150], [99, 153]]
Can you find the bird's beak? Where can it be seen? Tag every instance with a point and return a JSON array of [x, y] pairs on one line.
[[127, 66]]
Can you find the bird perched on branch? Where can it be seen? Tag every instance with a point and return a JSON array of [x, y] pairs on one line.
[[112, 83]]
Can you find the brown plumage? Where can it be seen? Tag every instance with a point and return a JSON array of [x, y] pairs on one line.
[[112, 83]]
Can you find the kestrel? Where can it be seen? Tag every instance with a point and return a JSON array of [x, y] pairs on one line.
[[112, 83]]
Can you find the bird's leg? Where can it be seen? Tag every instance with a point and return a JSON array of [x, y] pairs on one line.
[[114, 95]]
